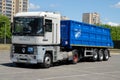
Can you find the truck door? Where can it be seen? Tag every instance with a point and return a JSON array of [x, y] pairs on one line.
[[48, 31]]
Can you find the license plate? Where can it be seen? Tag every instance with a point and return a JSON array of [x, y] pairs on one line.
[[23, 56], [22, 60]]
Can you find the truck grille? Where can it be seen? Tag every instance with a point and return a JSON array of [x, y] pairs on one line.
[[24, 49]]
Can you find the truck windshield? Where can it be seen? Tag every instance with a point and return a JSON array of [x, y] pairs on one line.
[[28, 26]]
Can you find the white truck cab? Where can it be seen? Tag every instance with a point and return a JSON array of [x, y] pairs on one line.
[[33, 35]]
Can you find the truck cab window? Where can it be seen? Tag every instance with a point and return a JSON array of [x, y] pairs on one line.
[[28, 26], [48, 25]]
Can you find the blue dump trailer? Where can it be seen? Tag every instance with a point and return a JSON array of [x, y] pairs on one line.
[[85, 35], [86, 40]]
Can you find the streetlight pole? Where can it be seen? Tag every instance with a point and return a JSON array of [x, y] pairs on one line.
[[5, 35]]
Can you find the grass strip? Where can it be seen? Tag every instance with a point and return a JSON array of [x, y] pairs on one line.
[[5, 46]]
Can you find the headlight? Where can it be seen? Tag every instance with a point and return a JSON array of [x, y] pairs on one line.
[[30, 50]]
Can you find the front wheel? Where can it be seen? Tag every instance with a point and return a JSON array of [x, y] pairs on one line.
[[47, 61]]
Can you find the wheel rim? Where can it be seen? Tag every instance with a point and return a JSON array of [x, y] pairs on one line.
[[106, 55], [75, 58], [95, 55], [47, 60], [101, 56]]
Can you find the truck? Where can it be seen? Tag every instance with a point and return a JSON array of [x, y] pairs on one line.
[[42, 38]]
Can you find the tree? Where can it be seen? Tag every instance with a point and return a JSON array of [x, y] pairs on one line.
[[115, 31], [4, 23]]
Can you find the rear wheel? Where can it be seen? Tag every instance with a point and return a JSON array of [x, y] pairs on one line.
[[106, 55], [75, 57], [47, 61], [100, 55], [95, 55]]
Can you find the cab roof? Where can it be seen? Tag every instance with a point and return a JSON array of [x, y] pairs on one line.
[[47, 14]]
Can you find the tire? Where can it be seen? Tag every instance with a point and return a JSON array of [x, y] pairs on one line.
[[100, 55], [95, 55], [47, 61], [106, 55], [75, 57]]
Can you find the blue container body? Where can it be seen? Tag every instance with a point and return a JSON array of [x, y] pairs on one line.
[[75, 33]]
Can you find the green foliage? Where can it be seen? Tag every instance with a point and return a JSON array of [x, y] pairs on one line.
[[115, 31], [4, 23]]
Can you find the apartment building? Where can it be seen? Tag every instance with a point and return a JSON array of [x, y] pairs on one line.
[[6, 7], [11, 7], [91, 18]]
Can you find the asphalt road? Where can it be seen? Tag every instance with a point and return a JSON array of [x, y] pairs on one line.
[[105, 70]]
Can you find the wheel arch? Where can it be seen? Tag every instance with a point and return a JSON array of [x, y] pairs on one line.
[[49, 52]]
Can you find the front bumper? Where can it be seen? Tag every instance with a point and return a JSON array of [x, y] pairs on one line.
[[24, 58]]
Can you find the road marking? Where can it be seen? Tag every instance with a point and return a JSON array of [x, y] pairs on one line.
[[60, 77]]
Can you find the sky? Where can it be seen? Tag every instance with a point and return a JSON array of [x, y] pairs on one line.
[[109, 10]]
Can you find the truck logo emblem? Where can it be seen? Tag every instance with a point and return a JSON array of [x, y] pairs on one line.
[[23, 50]]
